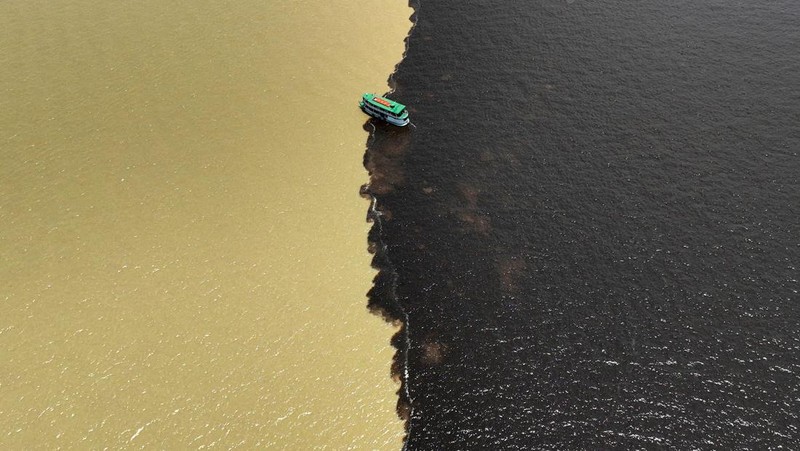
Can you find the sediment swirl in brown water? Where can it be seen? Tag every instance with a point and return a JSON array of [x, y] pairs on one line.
[[183, 249]]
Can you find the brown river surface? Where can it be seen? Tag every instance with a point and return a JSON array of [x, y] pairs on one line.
[[183, 256]]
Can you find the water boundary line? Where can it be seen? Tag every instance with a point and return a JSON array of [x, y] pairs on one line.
[[382, 262]]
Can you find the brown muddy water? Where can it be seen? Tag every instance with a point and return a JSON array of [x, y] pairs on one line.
[[183, 255]]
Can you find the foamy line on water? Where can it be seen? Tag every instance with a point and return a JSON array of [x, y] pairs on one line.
[[377, 219], [416, 6]]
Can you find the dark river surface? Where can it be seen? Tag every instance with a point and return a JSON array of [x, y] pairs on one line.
[[591, 230]]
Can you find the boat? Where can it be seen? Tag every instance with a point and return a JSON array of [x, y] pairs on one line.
[[382, 108]]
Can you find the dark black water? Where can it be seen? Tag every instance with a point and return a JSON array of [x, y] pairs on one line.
[[592, 232]]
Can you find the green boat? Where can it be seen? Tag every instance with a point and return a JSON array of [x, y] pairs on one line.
[[387, 110]]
